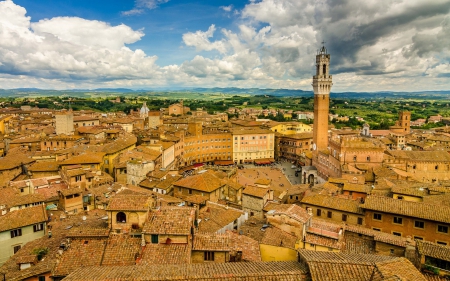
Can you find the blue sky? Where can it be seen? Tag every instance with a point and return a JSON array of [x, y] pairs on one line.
[[146, 44]]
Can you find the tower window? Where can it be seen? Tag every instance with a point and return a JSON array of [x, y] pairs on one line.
[[324, 69]]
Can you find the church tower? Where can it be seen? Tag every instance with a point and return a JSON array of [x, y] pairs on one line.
[[322, 83]]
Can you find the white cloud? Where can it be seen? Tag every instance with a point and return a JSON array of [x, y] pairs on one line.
[[388, 45], [87, 32], [228, 8], [69, 48], [141, 5], [200, 40]]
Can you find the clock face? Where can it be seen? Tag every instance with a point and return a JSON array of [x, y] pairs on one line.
[[314, 146]]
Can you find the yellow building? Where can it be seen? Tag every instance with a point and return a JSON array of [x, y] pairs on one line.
[[250, 144], [289, 128], [4, 124], [112, 150], [206, 144]]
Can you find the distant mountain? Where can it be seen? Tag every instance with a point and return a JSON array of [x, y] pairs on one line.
[[226, 91]]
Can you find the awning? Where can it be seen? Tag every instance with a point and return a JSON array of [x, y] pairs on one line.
[[185, 169], [223, 162], [196, 165], [264, 161], [51, 207], [248, 161]]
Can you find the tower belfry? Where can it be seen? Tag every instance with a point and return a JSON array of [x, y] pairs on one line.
[[322, 83]]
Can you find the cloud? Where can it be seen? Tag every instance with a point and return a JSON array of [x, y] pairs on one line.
[[87, 32], [228, 8], [389, 45], [141, 5], [200, 40], [69, 48]]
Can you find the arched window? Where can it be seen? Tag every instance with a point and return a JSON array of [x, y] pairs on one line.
[[354, 158], [121, 217], [368, 158], [324, 69]]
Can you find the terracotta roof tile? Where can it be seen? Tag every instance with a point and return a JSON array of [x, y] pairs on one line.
[[248, 246], [255, 191], [211, 242], [332, 202], [23, 217], [165, 254], [121, 250], [398, 269], [170, 220], [215, 217], [129, 203], [207, 182], [236, 271], [81, 253], [293, 211], [279, 238], [433, 250], [407, 208]]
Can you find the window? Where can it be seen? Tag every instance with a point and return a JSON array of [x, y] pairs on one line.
[[391, 251], [209, 256], [21, 190], [319, 212], [190, 191], [377, 216], [360, 221], [16, 248], [418, 238], [376, 229], [329, 214], [41, 278], [442, 229], [368, 158], [400, 197], [38, 227], [396, 233], [154, 238], [441, 243], [398, 220], [419, 224], [354, 158], [121, 217], [344, 217], [16, 232], [78, 178]]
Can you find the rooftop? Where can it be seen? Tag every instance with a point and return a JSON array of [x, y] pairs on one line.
[[249, 271]]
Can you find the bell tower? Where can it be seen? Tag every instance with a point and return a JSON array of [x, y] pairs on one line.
[[322, 83]]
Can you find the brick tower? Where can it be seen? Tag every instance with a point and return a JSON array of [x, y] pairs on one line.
[[404, 120], [322, 83]]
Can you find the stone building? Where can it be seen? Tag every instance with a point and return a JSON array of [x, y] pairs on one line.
[[128, 213], [423, 221], [203, 144], [293, 147], [137, 170], [254, 199], [422, 166], [64, 123]]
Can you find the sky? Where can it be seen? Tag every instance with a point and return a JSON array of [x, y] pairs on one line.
[[388, 45]]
